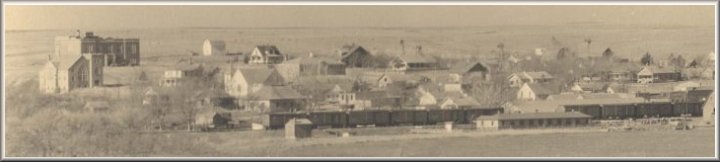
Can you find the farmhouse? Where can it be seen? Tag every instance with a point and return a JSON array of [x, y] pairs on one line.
[[355, 56], [268, 98], [116, 51], [240, 81], [530, 91], [72, 72], [650, 74], [470, 69], [179, 72], [533, 120], [214, 47], [266, 54], [517, 79]]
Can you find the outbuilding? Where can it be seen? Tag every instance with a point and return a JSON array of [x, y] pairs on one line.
[[533, 120], [298, 128]]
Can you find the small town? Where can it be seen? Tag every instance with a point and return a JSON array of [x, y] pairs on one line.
[[107, 97]]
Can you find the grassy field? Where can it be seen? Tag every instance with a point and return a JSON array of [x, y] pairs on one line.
[[583, 142], [663, 143]]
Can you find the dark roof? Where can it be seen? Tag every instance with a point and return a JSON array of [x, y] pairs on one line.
[[543, 115], [464, 67], [269, 50], [346, 50]]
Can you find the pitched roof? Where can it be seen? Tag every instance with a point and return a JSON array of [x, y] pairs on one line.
[[543, 89], [351, 48], [276, 92], [325, 82], [256, 75], [543, 115], [269, 50], [64, 63], [464, 67]]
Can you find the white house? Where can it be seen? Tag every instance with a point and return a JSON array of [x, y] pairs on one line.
[[239, 82], [530, 91], [267, 54], [214, 47]]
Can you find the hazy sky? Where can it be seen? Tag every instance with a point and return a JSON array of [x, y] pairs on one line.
[[123, 17]]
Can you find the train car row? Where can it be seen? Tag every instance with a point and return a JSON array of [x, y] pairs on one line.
[[624, 111], [381, 117]]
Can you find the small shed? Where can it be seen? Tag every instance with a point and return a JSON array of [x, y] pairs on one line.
[[97, 106], [298, 128]]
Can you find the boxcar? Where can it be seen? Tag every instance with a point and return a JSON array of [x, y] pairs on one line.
[[402, 117], [692, 108], [336, 119], [439, 116], [593, 110], [278, 120], [654, 109], [369, 117]]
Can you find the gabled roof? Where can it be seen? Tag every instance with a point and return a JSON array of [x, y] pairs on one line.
[[65, 63], [256, 75], [276, 93], [464, 67], [269, 50], [542, 89], [543, 115], [325, 82], [349, 49]]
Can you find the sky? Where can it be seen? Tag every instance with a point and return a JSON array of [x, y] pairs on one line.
[[32, 17]]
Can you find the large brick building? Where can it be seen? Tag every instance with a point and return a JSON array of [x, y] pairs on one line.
[[116, 51]]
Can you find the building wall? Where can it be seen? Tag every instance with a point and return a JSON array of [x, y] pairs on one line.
[[487, 124], [543, 123], [48, 78], [236, 85], [525, 93]]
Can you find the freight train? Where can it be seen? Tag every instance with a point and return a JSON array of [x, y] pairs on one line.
[[341, 119], [639, 110]]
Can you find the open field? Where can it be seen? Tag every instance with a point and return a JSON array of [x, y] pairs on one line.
[[584, 142], [26, 51]]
